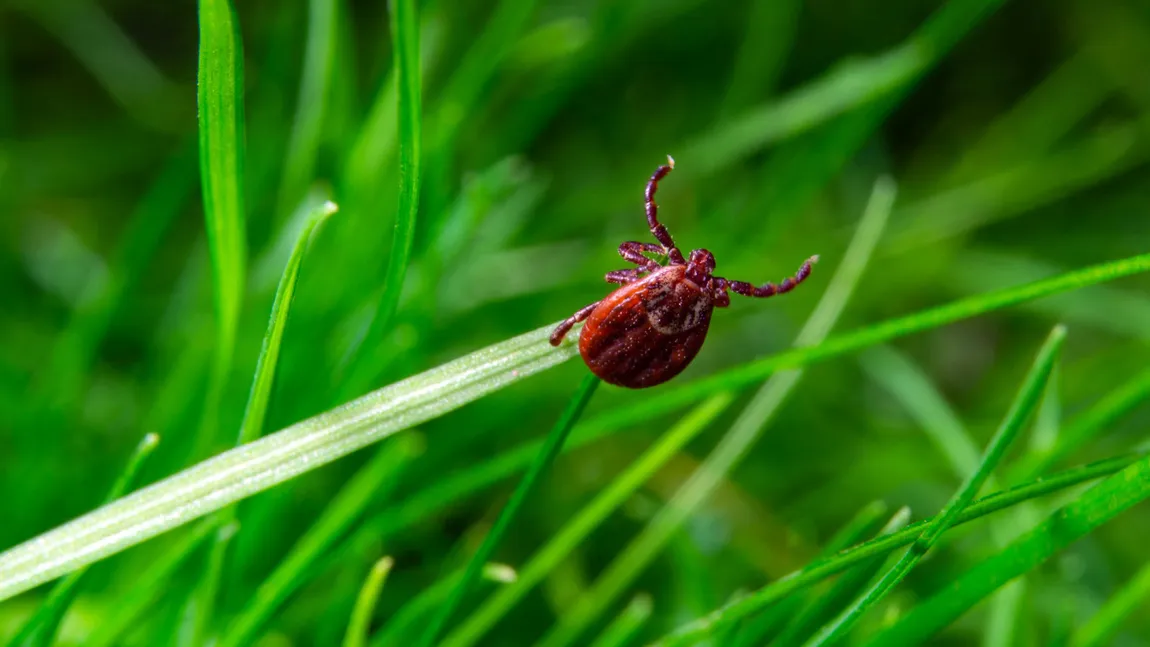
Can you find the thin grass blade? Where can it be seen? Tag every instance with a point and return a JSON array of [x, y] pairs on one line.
[[365, 603]]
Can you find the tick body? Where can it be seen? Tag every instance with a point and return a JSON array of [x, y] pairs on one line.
[[648, 330]]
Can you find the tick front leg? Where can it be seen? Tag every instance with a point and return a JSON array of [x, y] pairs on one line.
[[632, 252], [565, 326], [721, 298], [657, 229], [770, 289]]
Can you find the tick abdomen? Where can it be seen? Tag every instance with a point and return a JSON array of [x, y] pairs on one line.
[[647, 332]]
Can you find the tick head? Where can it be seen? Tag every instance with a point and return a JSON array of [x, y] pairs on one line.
[[700, 266]]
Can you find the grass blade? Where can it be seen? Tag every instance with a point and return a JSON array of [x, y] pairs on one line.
[[374, 480], [821, 569], [1099, 629], [1020, 410], [365, 603], [542, 462], [743, 433], [42, 626], [221, 114], [1096, 506], [273, 459]]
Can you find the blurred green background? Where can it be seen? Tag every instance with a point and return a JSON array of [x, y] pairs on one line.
[[1017, 134]]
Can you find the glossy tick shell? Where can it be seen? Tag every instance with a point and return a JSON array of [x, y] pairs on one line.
[[647, 332]]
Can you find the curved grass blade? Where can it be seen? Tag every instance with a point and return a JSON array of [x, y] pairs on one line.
[[1020, 411], [743, 433], [40, 630], [819, 570], [273, 459], [374, 480], [221, 127], [572, 535], [197, 616], [365, 603], [551, 447], [1081, 516]]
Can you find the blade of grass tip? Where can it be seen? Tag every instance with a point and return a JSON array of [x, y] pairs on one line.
[[1102, 626], [41, 628], [573, 534], [246, 470], [1083, 428], [827, 605], [777, 591], [1020, 411], [1096, 506], [197, 616], [542, 462], [674, 397], [311, 105], [625, 627], [405, 49], [149, 586], [402, 627], [756, 632], [365, 603], [221, 126], [743, 433], [373, 481]]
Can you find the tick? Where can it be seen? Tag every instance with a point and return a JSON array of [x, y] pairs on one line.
[[650, 328]]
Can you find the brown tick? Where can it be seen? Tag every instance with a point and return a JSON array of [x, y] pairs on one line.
[[648, 330]]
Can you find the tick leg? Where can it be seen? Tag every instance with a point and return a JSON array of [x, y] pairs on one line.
[[722, 299], [562, 329], [623, 277], [769, 289], [632, 252], [657, 229]]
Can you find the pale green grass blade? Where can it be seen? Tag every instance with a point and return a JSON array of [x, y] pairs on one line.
[[551, 447], [365, 604], [311, 105], [273, 459], [1020, 411], [818, 570], [1083, 515], [221, 127], [771, 28], [1101, 627], [574, 533], [149, 586], [827, 605], [405, 49], [887, 77], [374, 480], [746, 429], [40, 630], [626, 626]]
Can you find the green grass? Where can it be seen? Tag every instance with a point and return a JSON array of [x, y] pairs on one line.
[[369, 399]]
